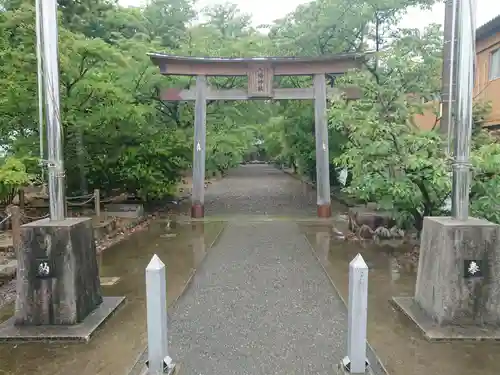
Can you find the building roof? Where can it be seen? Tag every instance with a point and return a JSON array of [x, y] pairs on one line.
[[488, 28]]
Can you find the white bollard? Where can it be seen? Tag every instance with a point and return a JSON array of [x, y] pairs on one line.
[[357, 316], [159, 361]]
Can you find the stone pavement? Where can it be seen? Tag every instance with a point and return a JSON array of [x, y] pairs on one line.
[[260, 303]]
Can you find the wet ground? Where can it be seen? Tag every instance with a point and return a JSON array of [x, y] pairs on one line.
[[114, 349], [398, 343]]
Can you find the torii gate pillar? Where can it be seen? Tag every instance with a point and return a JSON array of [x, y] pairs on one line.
[[200, 116], [322, 153]]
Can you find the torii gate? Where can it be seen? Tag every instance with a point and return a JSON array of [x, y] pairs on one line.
[[260, 72]]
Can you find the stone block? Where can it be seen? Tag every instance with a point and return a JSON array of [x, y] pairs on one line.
[[125, 210], [458, 279], [361, 215], [82, 332], [443, 333], [71, 290]]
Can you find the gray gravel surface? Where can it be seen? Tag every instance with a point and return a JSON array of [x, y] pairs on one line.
[[259, 189], [259, 304]]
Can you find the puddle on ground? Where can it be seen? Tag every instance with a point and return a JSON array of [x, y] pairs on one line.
[[114, 348], [398, 343]]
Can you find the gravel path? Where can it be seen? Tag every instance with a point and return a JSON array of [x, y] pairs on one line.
[[259, 189], [259, 304]]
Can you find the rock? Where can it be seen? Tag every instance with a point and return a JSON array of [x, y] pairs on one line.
[[397, 233], [359, 216], [382, 233], [8, 269], [336, 232], [365, 232]]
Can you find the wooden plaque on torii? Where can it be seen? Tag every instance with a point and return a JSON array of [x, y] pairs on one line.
[[260, 80]]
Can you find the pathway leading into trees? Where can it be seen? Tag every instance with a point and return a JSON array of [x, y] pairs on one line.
[[260, 303], [260, 189]]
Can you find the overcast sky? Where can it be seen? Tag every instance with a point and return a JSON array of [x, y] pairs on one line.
[[263, 12]]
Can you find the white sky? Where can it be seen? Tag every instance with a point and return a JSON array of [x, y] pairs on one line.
[[263, 13]]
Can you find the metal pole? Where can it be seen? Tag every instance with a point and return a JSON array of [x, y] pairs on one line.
[[40, 82], [48, 14], [463, 129], [448, 90]]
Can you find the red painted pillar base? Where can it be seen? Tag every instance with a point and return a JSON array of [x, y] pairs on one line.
[[197, 211], [324, 211]]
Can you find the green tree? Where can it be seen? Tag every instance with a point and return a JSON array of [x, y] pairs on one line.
[[393, 163], [13, 176]]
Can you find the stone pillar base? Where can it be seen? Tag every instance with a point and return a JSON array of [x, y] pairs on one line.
[[58, 277], [324, 210], [458, 280], [197, 211]]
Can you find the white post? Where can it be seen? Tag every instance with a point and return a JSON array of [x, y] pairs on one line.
[[156, 302], [357, 315]]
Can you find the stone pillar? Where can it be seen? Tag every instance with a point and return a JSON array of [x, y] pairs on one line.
[[449, 287], [57, 278], [200, 116], [322, 154], [458, 281]]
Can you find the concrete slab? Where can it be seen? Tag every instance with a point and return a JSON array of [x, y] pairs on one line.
[[434, 332], [125, 210], [47, 333]]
